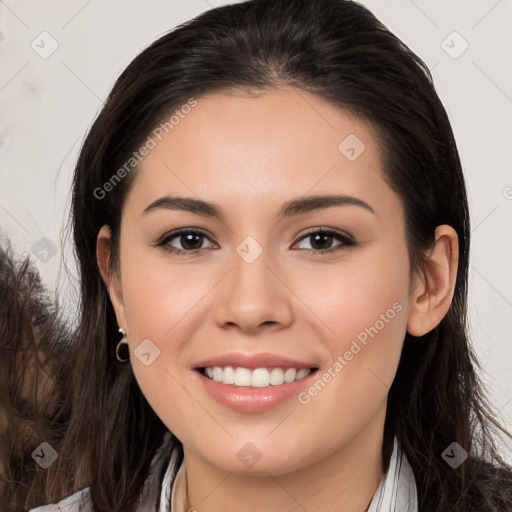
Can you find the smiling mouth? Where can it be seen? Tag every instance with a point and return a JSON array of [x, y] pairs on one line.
[[256, 377]]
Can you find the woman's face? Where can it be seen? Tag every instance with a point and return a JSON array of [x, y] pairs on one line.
[[255, 296]]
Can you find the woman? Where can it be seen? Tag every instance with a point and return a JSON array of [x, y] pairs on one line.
[[257, 365]]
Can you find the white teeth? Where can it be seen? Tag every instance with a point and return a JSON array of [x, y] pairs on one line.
[[217, 374], [228, 376], [276, 376], [242, 376], [257, 378], [260, 378], [303, 372], [290, 374]]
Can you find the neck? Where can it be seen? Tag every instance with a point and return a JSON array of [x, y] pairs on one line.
[[346, 479]]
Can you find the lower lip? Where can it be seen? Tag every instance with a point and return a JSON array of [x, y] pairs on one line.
[[249, 399]]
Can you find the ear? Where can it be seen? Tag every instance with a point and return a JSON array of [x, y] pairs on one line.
[[433, 292], [111, 278]]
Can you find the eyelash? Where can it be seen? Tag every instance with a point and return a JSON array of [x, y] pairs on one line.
[[346, 240]]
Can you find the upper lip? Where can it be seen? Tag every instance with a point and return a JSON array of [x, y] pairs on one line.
[[261, 360]]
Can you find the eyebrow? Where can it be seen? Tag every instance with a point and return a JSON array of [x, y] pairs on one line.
[[289, 209]]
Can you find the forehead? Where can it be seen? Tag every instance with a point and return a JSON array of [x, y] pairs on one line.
[[260, 149]]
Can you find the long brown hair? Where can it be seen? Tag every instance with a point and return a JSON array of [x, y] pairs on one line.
[[338, 50]]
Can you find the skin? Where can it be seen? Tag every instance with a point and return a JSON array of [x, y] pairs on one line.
[[250, 155]]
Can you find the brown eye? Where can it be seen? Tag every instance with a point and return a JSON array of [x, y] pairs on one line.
[[191, 241], [321, 241]]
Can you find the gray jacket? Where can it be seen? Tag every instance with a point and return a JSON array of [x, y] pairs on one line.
[[396, 491]]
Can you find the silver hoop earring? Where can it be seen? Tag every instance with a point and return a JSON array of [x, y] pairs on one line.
[[119, 345]]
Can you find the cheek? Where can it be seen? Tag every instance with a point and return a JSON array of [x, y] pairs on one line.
[[159, 301], [159, 297], [161, 305], [363, 311], [363, 291]]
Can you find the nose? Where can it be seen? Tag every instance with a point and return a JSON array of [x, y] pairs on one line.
[[254, 297]]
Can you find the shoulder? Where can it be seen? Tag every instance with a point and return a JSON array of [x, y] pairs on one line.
[[167, 458], [78, 502], [490, 487]]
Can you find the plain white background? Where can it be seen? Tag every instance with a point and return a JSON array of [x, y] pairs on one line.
[[49, 100]]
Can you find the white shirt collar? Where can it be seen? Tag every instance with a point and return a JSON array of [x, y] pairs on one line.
[[396, 491]]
